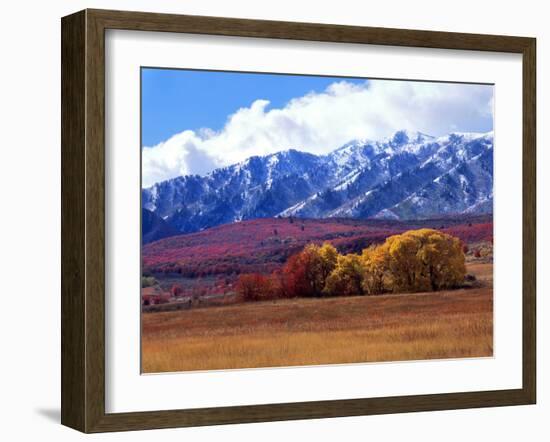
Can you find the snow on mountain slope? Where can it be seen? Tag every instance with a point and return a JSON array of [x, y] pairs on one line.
[[409, 175]]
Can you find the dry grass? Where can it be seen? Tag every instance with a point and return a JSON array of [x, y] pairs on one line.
[[451, 324]]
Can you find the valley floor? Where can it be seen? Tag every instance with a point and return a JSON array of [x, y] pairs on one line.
[[436, 325]]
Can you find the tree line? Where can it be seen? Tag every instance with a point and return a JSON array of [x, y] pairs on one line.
[[414, 261]]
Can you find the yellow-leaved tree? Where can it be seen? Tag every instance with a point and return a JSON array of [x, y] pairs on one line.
[[417, 260], [320, 261], [442, 258], [347, 277], [328, 258], [403, 263], [375, 262], [424, 259]]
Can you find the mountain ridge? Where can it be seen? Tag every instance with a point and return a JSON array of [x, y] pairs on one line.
[[406, 176]]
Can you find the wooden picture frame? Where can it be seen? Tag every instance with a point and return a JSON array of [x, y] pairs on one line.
[[83, 220]]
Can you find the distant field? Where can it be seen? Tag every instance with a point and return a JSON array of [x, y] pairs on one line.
[[263, 245], [449, 324]]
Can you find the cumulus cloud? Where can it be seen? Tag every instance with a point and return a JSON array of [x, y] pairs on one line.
[[321, 122]]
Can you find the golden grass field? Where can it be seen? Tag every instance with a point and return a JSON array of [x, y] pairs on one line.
[[436, 325]]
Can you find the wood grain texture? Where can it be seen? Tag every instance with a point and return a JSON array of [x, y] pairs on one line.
[[529, 220], [83, 220], [95, 222], [73, 257], [144, 21]]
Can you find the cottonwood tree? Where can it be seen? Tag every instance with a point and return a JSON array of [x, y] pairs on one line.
[[347, 277], [425, 259], [375, 276]]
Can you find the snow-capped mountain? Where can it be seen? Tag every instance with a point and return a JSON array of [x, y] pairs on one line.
[[407, 176]]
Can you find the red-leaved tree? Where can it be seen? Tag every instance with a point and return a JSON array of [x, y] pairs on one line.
[[253, 287]]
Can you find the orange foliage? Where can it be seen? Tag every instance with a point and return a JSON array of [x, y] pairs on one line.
[[417, 260]]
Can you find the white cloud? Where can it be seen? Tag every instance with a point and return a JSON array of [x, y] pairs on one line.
[[322, 122]]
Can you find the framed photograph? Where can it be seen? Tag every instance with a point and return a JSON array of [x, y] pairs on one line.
[[268, 221]]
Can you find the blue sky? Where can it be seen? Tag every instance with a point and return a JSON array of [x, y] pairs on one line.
[[196, 121], [176, 99]]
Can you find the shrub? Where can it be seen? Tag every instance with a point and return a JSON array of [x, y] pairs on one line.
[[253, 287], [148, 281], [176, 290]]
